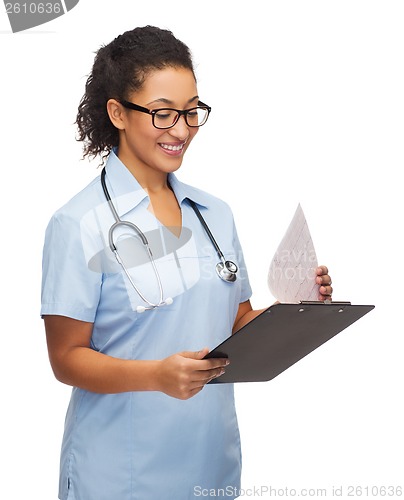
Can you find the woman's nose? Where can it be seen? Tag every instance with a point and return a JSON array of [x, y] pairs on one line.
[[180, 129]]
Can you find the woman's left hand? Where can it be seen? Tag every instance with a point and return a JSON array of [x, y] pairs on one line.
[[324, 280]]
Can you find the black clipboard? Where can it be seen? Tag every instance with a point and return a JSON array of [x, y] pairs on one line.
[[282, 335]]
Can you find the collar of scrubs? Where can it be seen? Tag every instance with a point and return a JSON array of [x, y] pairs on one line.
[[127, 193]]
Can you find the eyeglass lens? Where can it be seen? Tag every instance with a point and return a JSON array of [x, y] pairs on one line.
[[166, 118]]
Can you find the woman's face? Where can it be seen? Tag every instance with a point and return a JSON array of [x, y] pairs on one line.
[[141, 145]]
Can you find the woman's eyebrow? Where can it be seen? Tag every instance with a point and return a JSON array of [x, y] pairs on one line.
[[167, 101]]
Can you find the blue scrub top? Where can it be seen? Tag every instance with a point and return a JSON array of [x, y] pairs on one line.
[[145, 445]]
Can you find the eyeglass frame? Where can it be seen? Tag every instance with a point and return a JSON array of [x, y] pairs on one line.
[[180, 112]]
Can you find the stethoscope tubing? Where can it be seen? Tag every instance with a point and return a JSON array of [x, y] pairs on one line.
[[120, 223], [208, 231]]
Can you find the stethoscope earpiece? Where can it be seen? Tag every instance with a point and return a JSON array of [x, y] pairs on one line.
[[142, 309]]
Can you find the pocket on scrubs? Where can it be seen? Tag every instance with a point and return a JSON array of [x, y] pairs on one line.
[[68, 490]]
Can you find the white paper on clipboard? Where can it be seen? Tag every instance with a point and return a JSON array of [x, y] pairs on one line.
[[292, 273]]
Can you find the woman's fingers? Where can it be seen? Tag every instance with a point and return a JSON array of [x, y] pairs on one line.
[[325, 281]]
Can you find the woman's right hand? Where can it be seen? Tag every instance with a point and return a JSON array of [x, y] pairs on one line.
[[184, 374]]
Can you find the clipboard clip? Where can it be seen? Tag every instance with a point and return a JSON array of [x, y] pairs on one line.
[[325, 302], [340, 305]]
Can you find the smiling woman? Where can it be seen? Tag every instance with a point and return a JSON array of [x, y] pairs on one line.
[[156, 140], [129, 337]]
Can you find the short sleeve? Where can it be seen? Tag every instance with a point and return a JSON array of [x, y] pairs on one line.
[[69, 287]]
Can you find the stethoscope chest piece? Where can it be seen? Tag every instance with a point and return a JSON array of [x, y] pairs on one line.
[[227, 270]]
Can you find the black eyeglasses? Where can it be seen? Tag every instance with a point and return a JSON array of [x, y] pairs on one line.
[[167, 117]]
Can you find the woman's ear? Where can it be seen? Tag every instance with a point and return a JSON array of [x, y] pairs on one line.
[[116, 113]]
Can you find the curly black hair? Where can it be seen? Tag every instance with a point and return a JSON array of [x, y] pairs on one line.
[[119, 68]]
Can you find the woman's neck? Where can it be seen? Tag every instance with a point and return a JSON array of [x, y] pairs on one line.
[[151, 180]]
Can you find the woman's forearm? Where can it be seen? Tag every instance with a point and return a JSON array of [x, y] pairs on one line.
[[97, 372]]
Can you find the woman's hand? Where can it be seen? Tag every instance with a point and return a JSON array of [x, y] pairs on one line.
[[324, 280], [184, 374]]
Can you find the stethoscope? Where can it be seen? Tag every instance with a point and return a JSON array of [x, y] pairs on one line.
[[225, 269]]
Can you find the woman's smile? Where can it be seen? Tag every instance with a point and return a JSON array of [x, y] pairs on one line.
[[173, 148]]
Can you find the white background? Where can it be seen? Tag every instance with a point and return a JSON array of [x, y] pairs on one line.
[[308, 104]]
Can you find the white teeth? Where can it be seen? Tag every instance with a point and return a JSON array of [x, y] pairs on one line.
[[172, 148]]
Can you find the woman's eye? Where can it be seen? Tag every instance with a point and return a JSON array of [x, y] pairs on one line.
[[163, 115]]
